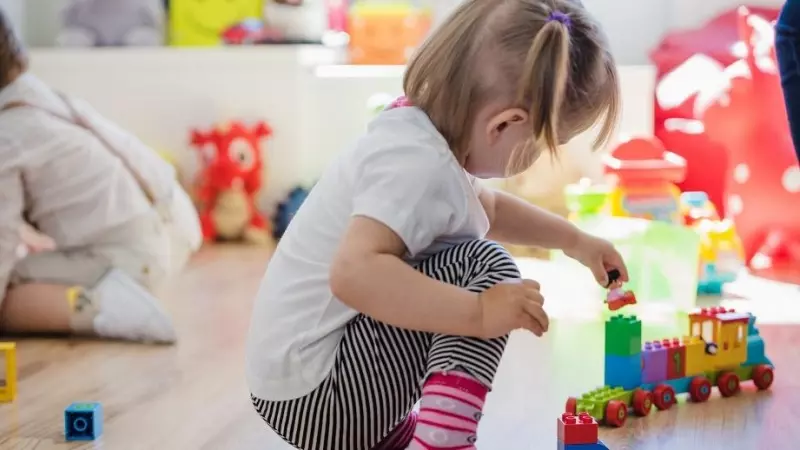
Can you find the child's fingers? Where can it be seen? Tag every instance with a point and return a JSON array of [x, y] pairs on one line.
[[531, 283], [600, 274], [531, 325], [536, 312]]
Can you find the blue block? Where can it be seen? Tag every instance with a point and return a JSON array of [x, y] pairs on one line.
[[623, 371], [83, 421], [598, 446], [679, 385]]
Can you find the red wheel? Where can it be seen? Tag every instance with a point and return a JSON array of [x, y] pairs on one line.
[[663, 396], [616, 413], [642, 402], [728, 384], [762, 376], [699, 389], [572, 405]]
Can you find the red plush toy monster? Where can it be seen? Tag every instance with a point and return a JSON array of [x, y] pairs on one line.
[[230, 181]]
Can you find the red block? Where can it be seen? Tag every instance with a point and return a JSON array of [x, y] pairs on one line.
[[676, 358], [577, 429]]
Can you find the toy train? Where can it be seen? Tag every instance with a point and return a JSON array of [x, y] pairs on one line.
[[723, 349]]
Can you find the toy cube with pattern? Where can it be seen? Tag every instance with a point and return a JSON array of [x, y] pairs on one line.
[[83, 421]]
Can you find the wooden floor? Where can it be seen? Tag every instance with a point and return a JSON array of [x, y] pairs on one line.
[[193, 395]]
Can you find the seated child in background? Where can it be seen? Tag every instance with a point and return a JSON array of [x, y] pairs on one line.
[[383, 291], [103, 217]]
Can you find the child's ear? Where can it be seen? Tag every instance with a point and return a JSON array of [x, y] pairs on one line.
[[503, 120]]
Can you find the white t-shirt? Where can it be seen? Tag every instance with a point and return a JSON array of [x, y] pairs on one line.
[[401, 173]]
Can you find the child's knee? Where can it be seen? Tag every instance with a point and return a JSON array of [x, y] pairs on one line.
[[495, 256]]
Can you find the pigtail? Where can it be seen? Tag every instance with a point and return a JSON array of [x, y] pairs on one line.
[[544, 81]]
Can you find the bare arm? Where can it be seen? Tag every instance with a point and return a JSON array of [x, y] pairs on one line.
[[515, 221], [369, 275]]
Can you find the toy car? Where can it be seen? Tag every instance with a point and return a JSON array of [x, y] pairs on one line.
[[617, 298]]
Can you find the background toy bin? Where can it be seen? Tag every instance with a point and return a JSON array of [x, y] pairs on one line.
[[662, 262], [386, 33]]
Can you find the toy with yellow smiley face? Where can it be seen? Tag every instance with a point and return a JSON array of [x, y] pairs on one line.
[[198, 23]]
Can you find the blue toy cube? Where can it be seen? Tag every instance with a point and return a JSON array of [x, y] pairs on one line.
[[83, 421], [623, 371]]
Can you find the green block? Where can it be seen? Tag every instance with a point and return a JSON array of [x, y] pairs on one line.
[[623, 335], [594, 402]]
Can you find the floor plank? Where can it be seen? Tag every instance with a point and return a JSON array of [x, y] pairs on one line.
[[193, 395]]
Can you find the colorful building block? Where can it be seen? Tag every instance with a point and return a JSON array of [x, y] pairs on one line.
[[679, 385], [697, 361], [594, 402], [623, 335], [83, 421], [756, 351], [676, 358], [577, 428], [733, 332], [623, 371], [599, 445], [8, 383], [654, 362]]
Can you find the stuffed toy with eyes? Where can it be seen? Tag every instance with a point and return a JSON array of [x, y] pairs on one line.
[[112, 23]]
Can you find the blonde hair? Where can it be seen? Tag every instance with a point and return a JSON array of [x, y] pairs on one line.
[[549, 57]]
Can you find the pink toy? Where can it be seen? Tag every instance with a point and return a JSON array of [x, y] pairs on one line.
[[745, 113]]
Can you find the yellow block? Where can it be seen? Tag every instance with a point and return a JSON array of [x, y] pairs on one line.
[[8, 389], [697, 361], [732, 345], [195, 23]]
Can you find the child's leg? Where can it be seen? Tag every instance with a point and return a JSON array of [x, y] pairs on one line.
[[81, 293], [381, 371]]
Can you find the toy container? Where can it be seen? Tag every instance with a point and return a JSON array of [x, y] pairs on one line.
[[721, 255], [386, 33], [662, 261], [585, 199], [643, 176], [696, 206]]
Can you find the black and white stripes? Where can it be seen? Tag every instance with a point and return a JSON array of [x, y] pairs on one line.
[[379, 370]]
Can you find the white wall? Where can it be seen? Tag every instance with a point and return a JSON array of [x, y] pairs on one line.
[[634, 26], [160, 94]]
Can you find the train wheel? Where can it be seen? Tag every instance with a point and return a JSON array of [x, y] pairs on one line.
[[642, 402], [572, 405], [616, 413], [663, 396], [699, 389], [728, 384], [762, 376]]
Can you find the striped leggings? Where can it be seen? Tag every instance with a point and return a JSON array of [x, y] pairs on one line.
[[377, 377]]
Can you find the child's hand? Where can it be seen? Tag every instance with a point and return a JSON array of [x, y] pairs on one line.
[[35, 241], [508, 306], [599, 256]]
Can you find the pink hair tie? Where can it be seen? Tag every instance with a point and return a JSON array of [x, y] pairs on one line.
[[559, 16], [399, 103]]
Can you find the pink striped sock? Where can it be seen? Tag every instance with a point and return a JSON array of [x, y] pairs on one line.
[[450, 409]]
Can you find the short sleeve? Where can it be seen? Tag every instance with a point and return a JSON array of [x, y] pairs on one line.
[[412, 190]]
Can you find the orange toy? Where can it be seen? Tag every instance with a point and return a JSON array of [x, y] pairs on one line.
[[644, 176], [385, 33], [230, 182]]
